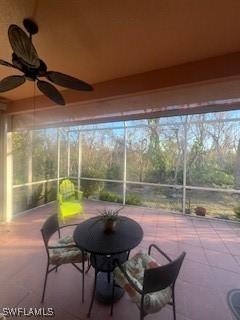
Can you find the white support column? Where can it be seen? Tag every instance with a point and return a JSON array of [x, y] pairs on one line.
[[45, 156], [184, 165], [1, 167], [58, 157], [68, 155], [79, 159], [6, 169], [125, 164], [29, 168]]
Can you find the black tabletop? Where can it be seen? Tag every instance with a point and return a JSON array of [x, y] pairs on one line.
[[90, 236]]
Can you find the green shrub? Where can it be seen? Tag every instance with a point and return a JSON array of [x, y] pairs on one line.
[[37, 196], [110, 196], [133, 199], [114, 197], [89, 187], [237, 211]]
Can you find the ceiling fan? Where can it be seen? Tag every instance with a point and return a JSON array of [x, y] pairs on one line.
[[26, 60]]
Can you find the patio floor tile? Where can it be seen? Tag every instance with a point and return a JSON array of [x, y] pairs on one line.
[[210, 270], [222, 260]]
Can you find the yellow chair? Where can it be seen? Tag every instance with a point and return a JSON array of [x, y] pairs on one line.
[[69, 200]]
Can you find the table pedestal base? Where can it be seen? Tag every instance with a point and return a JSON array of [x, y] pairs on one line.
[[104, 289]]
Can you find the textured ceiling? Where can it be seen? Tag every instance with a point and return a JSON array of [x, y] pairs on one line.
[[102, 40]]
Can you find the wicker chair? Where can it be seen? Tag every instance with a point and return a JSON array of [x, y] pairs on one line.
[[149, 285], [64, 251]]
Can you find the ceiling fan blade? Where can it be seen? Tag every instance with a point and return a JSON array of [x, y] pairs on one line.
[[22, 46], [66, 81], [11, 82], [50, 91], [7, 64]]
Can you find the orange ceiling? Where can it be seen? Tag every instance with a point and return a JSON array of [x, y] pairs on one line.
[[103, 40]]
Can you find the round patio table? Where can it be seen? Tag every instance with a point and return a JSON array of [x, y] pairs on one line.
[[90, 237]]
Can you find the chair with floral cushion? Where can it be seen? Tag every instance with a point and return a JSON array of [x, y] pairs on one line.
[[149, 284], [63, 251]]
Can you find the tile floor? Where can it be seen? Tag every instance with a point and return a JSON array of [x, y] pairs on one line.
[[210, 270]]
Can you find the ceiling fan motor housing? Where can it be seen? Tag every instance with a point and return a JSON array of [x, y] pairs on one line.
[[30, 26]]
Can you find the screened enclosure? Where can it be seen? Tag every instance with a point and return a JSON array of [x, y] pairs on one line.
[[176, 163]]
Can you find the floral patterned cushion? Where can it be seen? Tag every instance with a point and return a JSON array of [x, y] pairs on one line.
[[134, 267], [66, 240], [63, 255]]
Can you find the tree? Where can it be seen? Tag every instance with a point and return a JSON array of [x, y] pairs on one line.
[[157, 166], [237, 168]]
